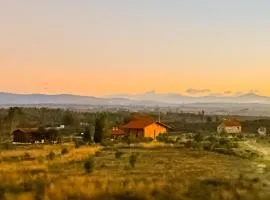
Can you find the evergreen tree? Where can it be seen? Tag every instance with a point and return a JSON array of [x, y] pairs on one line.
[[87, 135], [100, 128]]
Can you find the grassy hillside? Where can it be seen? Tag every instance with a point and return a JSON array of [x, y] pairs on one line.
[[145, 172]]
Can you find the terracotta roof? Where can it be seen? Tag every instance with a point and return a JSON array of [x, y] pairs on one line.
[[117, 131], [231, 122], [27, 130], [138, 123], [141, 123]]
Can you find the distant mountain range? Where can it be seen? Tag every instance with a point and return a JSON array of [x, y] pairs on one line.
[[149, 98], [176, 98]]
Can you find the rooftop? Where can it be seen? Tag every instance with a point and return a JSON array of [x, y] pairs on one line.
[[231, 122]]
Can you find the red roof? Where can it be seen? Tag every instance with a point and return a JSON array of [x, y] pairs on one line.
[[231, 122], [117, 131], [141, 123], [138, 123]]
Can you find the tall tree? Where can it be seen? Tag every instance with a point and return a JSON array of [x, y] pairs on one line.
[[87, 135], [209, 119], [68, 118], [202, 113], [1, 128], [13, 117], [100, 128]]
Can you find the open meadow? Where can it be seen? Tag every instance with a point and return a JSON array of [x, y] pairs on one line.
[[148, 171]]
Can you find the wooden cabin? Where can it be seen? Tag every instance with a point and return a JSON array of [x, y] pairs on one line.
[[25, 135]]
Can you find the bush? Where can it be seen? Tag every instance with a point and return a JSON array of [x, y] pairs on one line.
[[7, 146], [147, 139], [133, 160], [78, 143], [98, 153], [193, 144], [198, 137], [224, 151], [118, 154], [162, 137], [131, 139], [240, 137], [224, 141], [212, 138], [64, 151], [208, 146], [89, 165], [51, 155], [107, 143], [27, 156]]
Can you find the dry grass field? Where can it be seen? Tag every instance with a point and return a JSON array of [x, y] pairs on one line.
[[159, 172]]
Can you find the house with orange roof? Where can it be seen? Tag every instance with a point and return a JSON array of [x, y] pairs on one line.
[[230, 126], [116, 133], [144, 127]]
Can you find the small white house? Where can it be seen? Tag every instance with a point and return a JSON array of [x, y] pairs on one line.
[[262, 131], [230, 126]]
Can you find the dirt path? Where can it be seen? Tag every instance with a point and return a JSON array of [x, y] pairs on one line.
[[258, 147]]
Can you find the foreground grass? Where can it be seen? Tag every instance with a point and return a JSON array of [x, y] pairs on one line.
[[162, 172]]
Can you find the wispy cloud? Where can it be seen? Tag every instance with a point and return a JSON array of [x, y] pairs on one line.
[[254, 91], [197, 91], [228, 92], [245, 92]]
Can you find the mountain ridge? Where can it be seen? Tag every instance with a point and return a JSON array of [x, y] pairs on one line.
[[147, 98]]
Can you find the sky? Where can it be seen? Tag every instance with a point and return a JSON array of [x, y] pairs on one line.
[[102, 47]]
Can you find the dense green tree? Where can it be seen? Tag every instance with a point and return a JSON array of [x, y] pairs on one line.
[[13, 117], [87, 135], [1, 128], [52, 135], [68, 119], [101, 130], [209, 119]]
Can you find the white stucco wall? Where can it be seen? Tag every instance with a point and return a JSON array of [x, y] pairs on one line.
[[229, 129]]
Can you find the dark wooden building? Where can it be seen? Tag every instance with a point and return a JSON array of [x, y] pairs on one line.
[[25, 135]]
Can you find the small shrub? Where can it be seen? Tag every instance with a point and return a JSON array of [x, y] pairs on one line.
[[27, 156], [240, 137], [40, 159], [162, 137], [118, 154], [212, 138], [198, 137], [98, 153], [89, 165], [51, 156], [7, 146], [223, 151], [64, 151], [78, 143], [147, 139], [194, 144], [133, 160], [188, 144], [207, 145], [131, 139], [107, 143], [224, 141]]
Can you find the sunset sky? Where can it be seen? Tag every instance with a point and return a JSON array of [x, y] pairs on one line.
[[101, 47]]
